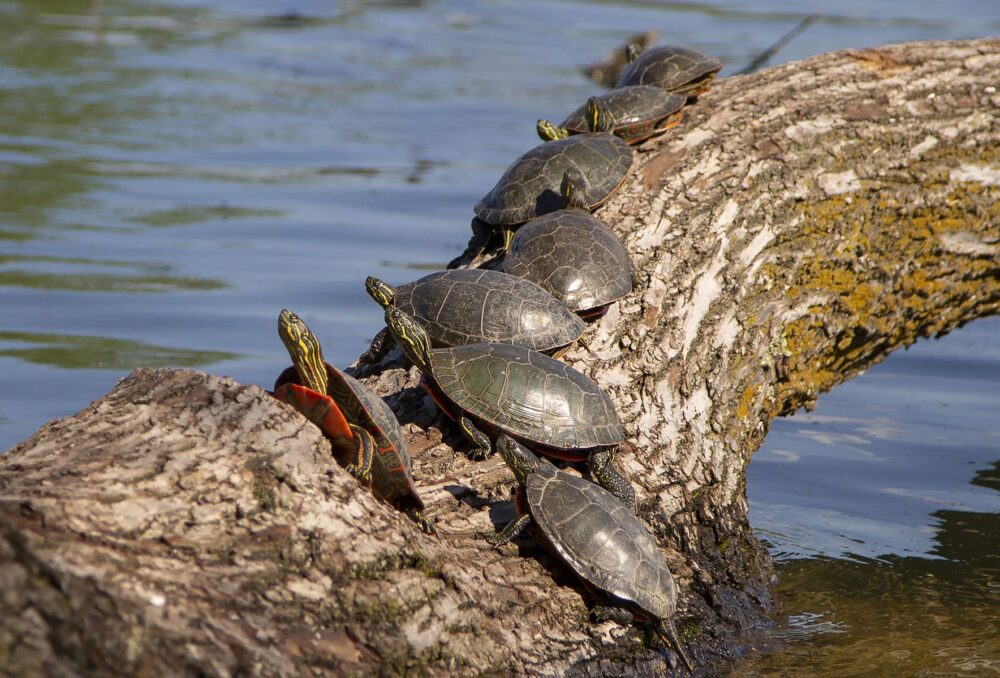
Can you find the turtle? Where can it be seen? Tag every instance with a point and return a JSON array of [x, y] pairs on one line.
[[363, 431], [491, 389], [530, 187], [573, 256], [637, 112], [606, 72], [674, 68], [598, 538], [469, 306]]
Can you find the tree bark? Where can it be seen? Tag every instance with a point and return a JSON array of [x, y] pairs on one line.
[[800, 224]]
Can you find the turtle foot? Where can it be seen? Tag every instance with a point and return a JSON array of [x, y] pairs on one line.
[[619, 615], [422, 521]]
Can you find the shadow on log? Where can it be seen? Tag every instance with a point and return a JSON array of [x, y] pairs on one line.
[[800, 224]]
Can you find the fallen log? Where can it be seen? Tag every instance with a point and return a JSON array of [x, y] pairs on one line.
[[802, 223]]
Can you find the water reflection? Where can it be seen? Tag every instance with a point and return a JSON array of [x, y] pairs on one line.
[[90, 281], [888, 552], [921, 616], [194, 214], [82, 352]]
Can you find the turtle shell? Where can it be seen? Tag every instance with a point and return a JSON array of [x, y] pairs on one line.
[[530, 187], [638, 112], [675, 69], [351, 401], [474, 305], [536, 399], [574, 257], [601, 540]]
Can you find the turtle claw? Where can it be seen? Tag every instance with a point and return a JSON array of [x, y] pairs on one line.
[[422, 521], [510, 530], [364, 455], [380, 346], [482, 448], [619, 615], [358, 472], [479, 454]]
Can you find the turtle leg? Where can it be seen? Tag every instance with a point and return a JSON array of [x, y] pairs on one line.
[[361, 467], [479, 439], [602, 467], [381, 344], [422, 521], [482, 233], [667, 631], [510, 530], [614, 613], [508, 235]]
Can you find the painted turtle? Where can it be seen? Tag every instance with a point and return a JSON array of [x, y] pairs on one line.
[[606, 72], [499, 388], [637, 112], [573, 256], [530, 187], [603, 542], [362, 429], [675, 69], [475, 305]]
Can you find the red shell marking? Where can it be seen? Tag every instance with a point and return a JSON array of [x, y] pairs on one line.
[[351, 401], [317, 408]]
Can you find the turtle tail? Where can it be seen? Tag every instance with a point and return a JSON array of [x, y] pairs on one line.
[[668, 632]]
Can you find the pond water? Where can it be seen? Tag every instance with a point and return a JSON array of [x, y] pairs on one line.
[[174, 172]]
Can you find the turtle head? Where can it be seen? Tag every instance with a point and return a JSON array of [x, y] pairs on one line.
[[520, 460], [632, 51], [549, 131], [599, 118], [411, 337], [304, 350], [379, 291], [574, 189]]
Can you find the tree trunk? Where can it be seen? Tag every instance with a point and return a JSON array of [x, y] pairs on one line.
[[799, 225]]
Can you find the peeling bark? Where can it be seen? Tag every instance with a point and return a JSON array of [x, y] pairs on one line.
[[800, 224]]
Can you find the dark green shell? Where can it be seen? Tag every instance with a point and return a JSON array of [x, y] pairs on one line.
[[601, 540], [391, 475], [675, 69], [638, 111], [574, 257], [474, 305], [530, 187], [532, 397]]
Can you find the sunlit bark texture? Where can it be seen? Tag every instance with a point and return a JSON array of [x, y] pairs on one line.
[[799, 225]]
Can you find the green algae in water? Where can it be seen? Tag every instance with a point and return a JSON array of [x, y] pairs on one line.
[[83, 352]]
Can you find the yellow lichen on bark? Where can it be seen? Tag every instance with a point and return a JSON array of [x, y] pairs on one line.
[[891, 259]]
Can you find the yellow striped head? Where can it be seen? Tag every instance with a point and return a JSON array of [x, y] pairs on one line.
[[379, 291], [598, 116], [574, 189], [521, 461], [632, 51], [549, 131], [304, 350], [411, 337]]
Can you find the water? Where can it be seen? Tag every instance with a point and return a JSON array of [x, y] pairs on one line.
[[882, 509], [173, 173]]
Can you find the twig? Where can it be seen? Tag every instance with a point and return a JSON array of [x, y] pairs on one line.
[[766, 55]]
